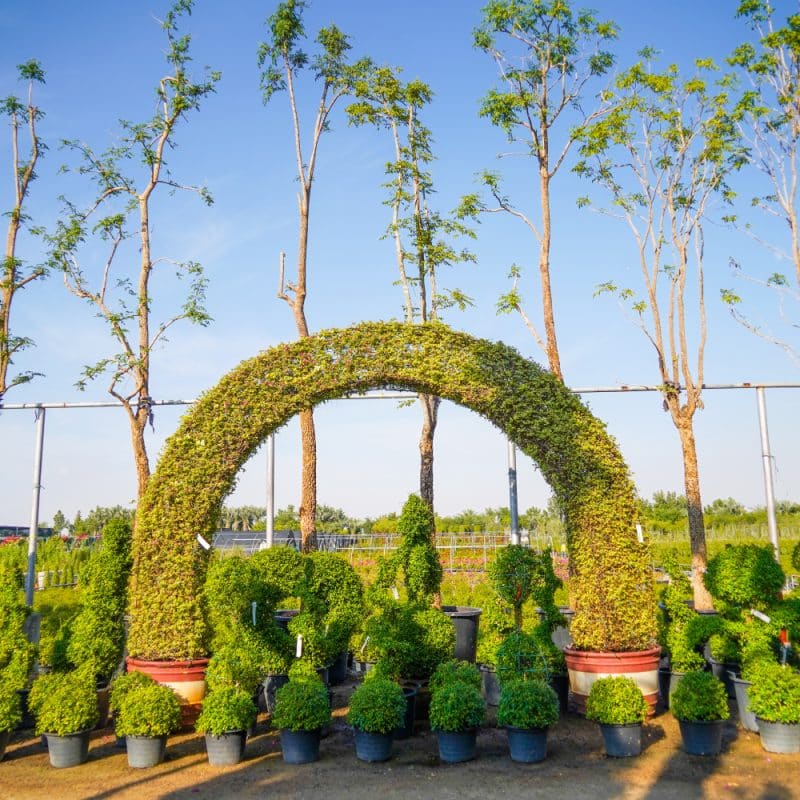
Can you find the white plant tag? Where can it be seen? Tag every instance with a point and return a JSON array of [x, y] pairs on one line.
[[395, 593], [299, 650], [253, 606], [639, 534], [203, 543], [366, 642]]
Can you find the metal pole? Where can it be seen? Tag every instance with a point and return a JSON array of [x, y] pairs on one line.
[[37, 487], [766, 460], [512, 492], [270, 489]]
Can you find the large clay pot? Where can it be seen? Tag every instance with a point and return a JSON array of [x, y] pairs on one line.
[[586, 666]]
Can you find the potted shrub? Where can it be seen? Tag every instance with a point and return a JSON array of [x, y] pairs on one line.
[[226, 715], [377, 709], [454, 670], [302, 708], [526, 710], [65, 705], [700, 704], [616, 703], [10, 713], [456, 712], [147, 715], [775, 700]]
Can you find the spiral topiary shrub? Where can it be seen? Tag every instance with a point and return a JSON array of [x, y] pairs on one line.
[[745, 575], [611, 578]]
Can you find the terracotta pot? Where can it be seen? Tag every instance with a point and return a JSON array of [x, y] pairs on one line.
[[186, 678], [586, 666]]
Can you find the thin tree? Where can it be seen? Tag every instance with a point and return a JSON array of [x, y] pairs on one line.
[[663, 153], [421, 235], [281, 61], [770, 130], [546, 54], [15, 274], [120, 215]]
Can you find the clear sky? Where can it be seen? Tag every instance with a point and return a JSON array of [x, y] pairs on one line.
[[103, 61]]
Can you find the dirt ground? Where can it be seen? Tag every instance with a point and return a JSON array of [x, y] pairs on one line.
[[576, 767]]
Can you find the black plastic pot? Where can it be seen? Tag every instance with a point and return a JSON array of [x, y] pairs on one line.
[[226, 749], [457, 747], [702, 738], [269, 686], [300, 747], [407, 728], [622, 741], [68, 751], [746, 717], [145, 751], [491, 686], [722, 670], [527, 745], [4, 737], [337, 671], [373, 746], [466, 621]]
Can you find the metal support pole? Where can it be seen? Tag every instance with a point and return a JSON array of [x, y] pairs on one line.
[[766, 461], [37, 487], [270, 489], [512, 492]]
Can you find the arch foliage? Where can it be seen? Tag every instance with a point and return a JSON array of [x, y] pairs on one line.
[[612, 589]]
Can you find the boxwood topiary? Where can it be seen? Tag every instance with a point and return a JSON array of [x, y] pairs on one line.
[[378, 705], [514, 574], [149, 711], [68, 703], [616, 700], [745, 575], [775, 693], [699, 697], [456, 707], [611, 581], [454, 670], [527, 704], [236, 666], [226, 710], [302, 704], [10, 707], [281, 569], [125, 683], [525, 656]]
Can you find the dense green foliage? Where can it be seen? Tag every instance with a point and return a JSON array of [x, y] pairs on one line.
[[302, 704], [699, 697], [614, 598], [10, 707], [453, 670], [65, 703], [527, 704], [456, 707], [124, 683], [616, 700], [745, 575], [153, 710], [16, 653], [225, 710], [775, 693], [378, 705], [526, 655]]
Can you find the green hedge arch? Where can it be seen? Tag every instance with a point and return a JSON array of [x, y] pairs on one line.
[[612, 586]]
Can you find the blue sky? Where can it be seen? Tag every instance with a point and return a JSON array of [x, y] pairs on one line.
[[102, 62]]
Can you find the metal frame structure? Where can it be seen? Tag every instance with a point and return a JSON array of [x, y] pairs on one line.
[[40, 410]]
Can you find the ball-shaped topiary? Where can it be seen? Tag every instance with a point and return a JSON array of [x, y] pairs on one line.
[[527, 704], [378, 705], [226, 710], [700, 697], [68, 705], [149, 711], [456, 707], [616, 700], [125, 683], [302, 704], [775, 693], [745, 575], [455, 670]]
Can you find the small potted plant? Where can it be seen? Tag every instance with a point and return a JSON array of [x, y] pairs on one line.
[[65, 706], [527, 709], [302, 708], [377, 708], [700, 704], [10, 713], [226, 715], [147, 716], [456, 712], [617, 704], [775, 700]]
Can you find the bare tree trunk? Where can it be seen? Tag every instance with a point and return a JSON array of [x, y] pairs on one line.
[[697, 534], [138, 421], [308, 492], [551, 343], [430, 416]]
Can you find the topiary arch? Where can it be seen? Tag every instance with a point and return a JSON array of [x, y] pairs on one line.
[[612, 589]]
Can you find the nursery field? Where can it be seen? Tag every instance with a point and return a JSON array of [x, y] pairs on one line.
[[575, 767]]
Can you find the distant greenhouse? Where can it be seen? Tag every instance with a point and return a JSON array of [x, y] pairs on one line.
[[252, 541]]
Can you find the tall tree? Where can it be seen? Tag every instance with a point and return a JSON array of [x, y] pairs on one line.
[[771, 132], [120, 217], [663, 154], [546, 54], [281, 60], [421, 235], [15, 275]]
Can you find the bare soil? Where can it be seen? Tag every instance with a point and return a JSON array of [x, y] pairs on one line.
[[576, 767]]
